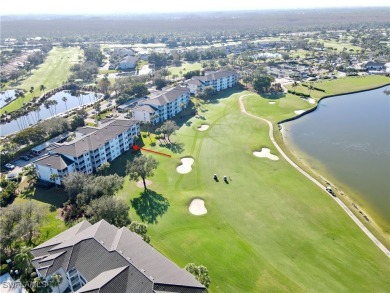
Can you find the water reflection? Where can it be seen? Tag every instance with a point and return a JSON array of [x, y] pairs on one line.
[[56, 105]]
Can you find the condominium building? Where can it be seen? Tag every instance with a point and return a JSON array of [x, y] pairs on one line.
[[89, 149], [102, 258], [162, 105], [218, 80]]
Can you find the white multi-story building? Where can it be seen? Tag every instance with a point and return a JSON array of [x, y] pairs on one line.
[[163, 105], [91, 147], [218, 80]]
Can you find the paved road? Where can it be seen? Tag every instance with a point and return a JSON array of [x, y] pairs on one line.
[[341, 204]]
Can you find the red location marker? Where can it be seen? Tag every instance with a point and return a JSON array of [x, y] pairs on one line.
[[136, 147]]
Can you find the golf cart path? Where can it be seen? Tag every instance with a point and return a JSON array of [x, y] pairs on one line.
[[341, 204]]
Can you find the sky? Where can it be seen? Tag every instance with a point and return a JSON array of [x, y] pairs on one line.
[[164, 6]]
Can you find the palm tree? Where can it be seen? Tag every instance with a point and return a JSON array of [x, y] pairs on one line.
[[54, 103], [65, 99], [42, 88], [294, 85], [54, 177], [37, 285], [55, 281], [47, 105], [31, 89], [23, 259], [31, 174]]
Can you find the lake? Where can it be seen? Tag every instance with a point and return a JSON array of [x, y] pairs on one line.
[[44, 113], [6, 97], [348, 138]]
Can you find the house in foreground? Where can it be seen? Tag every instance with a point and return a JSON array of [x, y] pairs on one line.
[[218, 80], [102, 258], [90, 148], [162, 105]]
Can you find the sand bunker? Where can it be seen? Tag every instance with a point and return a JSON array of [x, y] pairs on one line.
[[271, 103], [203, 127], [309, 100], [266, 153], [186, 165], [299, 112], [140, 183], [197, 207]]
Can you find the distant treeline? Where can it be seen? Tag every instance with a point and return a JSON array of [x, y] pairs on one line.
[[171, 29]]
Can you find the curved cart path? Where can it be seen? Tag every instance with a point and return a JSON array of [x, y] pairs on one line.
[[315, 181]]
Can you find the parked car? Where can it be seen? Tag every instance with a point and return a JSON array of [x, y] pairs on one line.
[[12, 177], [329, 189], [25, 158], [9, 166]]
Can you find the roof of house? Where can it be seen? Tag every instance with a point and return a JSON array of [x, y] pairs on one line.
[[373, 63], [219, 74], [56, 161], [111, 260], [168, 96], [91, 138], [129, 59], [145, 108], [210, 76]]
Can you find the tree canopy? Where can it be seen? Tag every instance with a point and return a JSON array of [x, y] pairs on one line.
[[200, 273], [114, 211], [142, 166], [141, 229]]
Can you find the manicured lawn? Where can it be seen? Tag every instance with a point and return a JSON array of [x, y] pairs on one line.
[[342, 85], [184, 68], [339, 46], [52, 224], [52, 73], [107, 71], [269, 229]]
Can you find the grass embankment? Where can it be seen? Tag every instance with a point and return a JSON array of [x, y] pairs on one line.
[[342, 85], [284, 108], [184, 68], [268, 230], [52, 73]]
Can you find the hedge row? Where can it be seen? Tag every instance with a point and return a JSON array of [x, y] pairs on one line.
[[298, 94], [314, 88]]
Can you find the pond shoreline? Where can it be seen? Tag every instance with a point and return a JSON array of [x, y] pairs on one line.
[[351, 195], [326, 97]]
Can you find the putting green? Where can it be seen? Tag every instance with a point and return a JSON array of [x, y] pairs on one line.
[[268, 229]]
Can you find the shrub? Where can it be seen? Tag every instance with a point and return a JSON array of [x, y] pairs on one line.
[[4, 268]]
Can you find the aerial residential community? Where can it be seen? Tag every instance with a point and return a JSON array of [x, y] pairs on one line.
[[147, 148]]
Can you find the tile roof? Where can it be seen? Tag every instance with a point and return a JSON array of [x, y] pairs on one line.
[[94, 137], [102, 279], [145, 108], [112, 260], [58, 162], [218, 74], [210, 76], [167, 97]]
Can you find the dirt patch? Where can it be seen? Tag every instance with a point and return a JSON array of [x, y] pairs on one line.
[[140, 184]]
